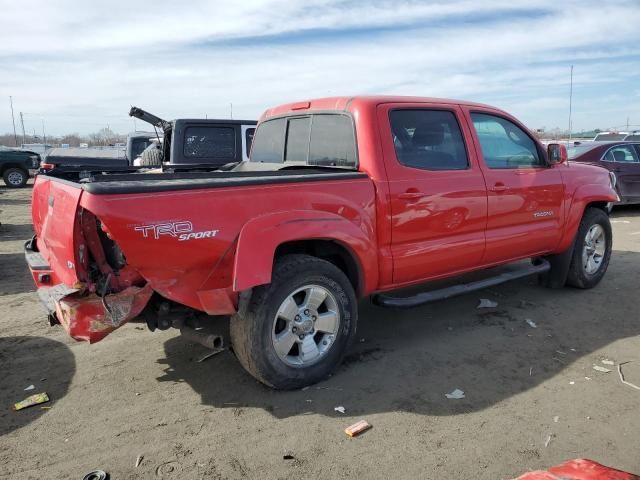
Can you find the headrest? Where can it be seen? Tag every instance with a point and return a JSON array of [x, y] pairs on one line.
[[428, 135]]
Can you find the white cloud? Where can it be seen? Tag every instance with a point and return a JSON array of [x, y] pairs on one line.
[[82, 65]]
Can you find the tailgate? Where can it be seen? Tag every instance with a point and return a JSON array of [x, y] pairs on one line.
[[55, 221]]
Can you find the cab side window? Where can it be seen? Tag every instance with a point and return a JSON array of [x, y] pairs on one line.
[[504, 144], [428, 139], [621, 153]]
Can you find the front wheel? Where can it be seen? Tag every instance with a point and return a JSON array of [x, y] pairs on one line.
[[592, 250], [15, 177], [296, 330]]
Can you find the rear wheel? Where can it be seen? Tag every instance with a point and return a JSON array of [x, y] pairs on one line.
[[15, 177], [296, 330], [592, 250]]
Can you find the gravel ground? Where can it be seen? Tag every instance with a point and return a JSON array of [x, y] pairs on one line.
[[532, 398]]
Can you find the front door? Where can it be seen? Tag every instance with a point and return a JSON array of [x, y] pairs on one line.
[[524, 193], [437, 191]]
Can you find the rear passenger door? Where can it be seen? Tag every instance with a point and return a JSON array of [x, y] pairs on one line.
[[625, 163], [437, 191], [525, 194]]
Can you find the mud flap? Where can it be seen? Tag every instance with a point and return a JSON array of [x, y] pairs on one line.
[[91, 318]]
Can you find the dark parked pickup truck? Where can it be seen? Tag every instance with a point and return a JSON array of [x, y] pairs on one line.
[[343, 198], [16, 165]]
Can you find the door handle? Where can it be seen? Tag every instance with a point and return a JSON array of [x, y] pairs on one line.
[[498, 187], [411, 195]]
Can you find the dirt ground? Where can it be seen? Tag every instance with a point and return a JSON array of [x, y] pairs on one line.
[[532, 398]]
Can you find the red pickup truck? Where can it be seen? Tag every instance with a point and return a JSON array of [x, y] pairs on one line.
[[342, 198]]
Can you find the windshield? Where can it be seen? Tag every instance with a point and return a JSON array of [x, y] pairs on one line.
[[577, 150]]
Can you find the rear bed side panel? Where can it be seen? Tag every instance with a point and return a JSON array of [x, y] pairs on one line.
[[56, 224], [183, 241]]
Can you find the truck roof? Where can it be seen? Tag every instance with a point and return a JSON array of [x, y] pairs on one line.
[[347, 103]]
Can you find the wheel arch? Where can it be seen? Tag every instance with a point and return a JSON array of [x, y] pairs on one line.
[[322, 234]]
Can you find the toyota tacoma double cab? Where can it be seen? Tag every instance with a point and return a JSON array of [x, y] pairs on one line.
[[341, 199]]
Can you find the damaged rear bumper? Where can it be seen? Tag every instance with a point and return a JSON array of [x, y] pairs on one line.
[[90, 318], [84, 315]]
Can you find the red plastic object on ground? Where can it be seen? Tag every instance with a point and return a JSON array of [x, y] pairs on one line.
[[579, 469]]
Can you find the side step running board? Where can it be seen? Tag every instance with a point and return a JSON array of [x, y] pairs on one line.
[[442, 293]]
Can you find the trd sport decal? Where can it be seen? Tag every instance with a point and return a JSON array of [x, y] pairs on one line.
[[180, 230]]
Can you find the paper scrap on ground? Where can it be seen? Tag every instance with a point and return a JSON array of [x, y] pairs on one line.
[[339, 409], [531, 323], [548, 441], [598, 368], [486, 303], [556, 419], [608, 362], [32, 400], [457, 394], [30, 387]]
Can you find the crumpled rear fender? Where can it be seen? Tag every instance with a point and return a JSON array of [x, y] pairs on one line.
[[90, 318]]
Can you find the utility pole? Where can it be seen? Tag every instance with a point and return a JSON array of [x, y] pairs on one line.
[[231, 105], [627, 124], [570, 100], [44, 135], [22, 123], [15, 136]]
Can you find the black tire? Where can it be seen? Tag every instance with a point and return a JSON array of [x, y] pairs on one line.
[[15, 177], [578, 276], [152, 156], [251, 328]]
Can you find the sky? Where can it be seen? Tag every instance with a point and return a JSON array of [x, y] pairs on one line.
[[77, 66]]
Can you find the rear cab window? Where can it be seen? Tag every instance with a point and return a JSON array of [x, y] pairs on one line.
[[322, 139], [210, 142]]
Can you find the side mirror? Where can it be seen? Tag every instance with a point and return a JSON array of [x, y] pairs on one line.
[[557, 153]]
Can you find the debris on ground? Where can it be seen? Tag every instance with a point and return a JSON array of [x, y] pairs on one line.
[[598, 368], [288, 456], [548, 440], [587, 378], [556, 419], [530, 371], [339, 409], [96, 475], [30, 387], [572, 383], [486, 303], [209, 355], [622, 377], [357, 428], [139, 460], [36, 399], [457, 394], [608, 362], [531, 323]]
